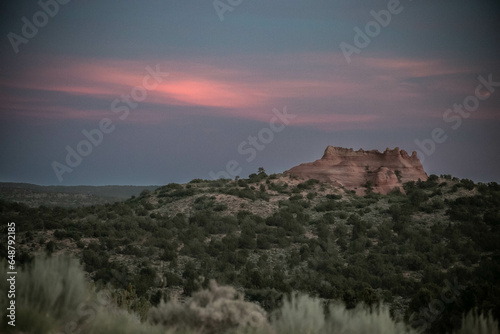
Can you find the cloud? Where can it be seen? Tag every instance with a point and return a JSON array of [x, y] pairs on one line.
[[320, 88]]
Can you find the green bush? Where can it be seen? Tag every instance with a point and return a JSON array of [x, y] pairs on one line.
[[307, 184], [328, 205], [50, 247]]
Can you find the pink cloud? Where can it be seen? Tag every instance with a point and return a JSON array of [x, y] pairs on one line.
[[209, 93], [373, 89]]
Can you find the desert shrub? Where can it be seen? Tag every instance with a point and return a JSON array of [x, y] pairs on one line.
[[307, 184], [417, 196], [400, 213], [144, 280], [280, 187], [218, 207], [340, 230], [342, 215], [361, 320], [478, 324], [119, 321], [141, 212], [193, 248], [269, 299], [50, 247], [94, 260], [311, 195], [245, 193], [467, 184], [145, 193], [247, 241], [215, 310], [181, 192], [169, 253], [303, 314], [297, 197], [437, 192], [261, 175], [300, 314], [289, 221], [328, 205], [59, 234], [131, 250], [172, 279], [122, 209], [263, 241], [491, 217], [204, 202], [172, 186], [334, 196], [328, 218], [469, 209], [48, 293], [52, 296], [128, 300]]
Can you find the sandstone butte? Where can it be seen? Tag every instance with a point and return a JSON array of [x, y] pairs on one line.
[[353, 170]]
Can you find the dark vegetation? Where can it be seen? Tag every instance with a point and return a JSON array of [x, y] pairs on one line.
[[67, 196], [402, 250]]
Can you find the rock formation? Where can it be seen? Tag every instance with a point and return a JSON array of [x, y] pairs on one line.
[[354, 170]]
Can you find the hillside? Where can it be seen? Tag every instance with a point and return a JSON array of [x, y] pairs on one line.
[[271, 235]]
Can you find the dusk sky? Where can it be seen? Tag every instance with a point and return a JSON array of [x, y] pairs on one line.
[[90, 78]]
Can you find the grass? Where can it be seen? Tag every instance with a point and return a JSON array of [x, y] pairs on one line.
[[300, 314], [478, 324], [52, 295], [48, 292], [362, 320]]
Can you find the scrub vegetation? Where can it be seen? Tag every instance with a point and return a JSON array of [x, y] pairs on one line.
[[269, 253]]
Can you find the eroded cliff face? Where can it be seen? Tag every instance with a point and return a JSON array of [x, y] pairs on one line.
[[354, 169]]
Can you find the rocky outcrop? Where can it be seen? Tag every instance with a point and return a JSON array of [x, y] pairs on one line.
[[354, 170]]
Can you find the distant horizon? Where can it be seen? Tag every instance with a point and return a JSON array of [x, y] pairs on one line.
[[241, 176]]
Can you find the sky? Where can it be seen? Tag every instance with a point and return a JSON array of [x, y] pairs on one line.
[[151, 92]]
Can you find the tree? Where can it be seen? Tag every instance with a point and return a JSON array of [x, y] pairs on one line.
[[50, 247]]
